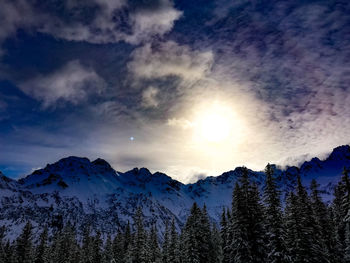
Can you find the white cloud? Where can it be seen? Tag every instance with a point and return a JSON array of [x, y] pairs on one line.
[[149, 97], [170, 59], [108, 26], [71, 83], [15, 14], [181, 123], [154, 22]]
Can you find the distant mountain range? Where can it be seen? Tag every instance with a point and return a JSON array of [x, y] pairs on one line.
[[82, 192]]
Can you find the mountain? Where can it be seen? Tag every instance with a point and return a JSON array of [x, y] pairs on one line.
[[82, 192]]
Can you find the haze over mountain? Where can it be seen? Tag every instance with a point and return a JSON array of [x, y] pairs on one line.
[[82, 192]]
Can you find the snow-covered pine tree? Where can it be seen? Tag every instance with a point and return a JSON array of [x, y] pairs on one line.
[[340, 210], [65, 247], [240, 247], [42, 250], [119, 246], [2, 244], [173, 252], [205, 238], [217, 245], [246, 232], [155, 253], [292, 226], [166, 244], [300, 222], [108, 250], [140, 250], [127, 239], [97, 248], [276, 248], [10, 253], [191, 236], [337, 221], [224, 237], [24, 245], [257, 232], [323, 229], [86, 250], [347, 243]]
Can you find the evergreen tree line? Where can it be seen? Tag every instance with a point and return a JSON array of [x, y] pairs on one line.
[[257, 228]]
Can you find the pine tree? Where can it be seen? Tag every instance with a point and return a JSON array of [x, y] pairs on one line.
[[246, 232], [257, 231], [205, 238], [42, 250], [155, 253], [96, 248], [340, 210], [2, 244], [225, 245], [166, 245], [119, 246], [87, 246], [347, 243], [217, 252], [9, 253], [65, 245], [173, 250], [108, 250], [128, 243], [191, 236], [338, 222], [276, 248], [140, 248], [301, 226], [292, 227], [240, 247], [24, 246], [323, 232]]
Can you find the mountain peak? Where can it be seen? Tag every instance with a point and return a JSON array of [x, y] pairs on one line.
[[72, 171], [73, 160], [101, 162], [340, 153], [6, 182]]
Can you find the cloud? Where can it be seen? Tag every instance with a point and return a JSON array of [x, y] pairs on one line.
[[283, 70], [285, 77], [181, 123], [170, 59], [149, 97], [293, 69], [72, 83], [14, 15], [94, 21], [148, 23]]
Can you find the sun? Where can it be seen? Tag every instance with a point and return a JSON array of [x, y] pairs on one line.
[[215, 123], [215, 127]]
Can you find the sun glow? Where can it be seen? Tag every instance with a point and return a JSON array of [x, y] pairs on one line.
[[215, 127], [216, 123]]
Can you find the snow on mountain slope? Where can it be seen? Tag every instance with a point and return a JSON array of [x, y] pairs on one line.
[[82, 192]]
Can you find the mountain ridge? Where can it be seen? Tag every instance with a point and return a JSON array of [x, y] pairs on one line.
[[75, 189]]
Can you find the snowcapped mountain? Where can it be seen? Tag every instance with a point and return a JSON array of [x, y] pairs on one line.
[[82, 192]]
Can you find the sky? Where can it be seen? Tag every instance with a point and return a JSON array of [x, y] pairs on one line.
[[188, 88]]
